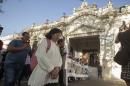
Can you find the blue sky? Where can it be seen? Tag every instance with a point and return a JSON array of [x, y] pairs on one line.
[[19, 14]]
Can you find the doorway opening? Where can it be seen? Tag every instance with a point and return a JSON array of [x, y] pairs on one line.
[[80, 46]]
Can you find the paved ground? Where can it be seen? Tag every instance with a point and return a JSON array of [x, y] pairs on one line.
[[89, 83], [98, 83]]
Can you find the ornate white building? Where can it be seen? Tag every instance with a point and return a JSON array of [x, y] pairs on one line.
[[89, 28]]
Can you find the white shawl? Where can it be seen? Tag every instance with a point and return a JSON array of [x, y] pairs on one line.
[[46, 63]]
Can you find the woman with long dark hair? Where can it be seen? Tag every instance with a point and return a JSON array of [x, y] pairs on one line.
[[49, 61]]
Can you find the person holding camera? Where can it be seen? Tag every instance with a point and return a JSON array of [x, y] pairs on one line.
[[15, 59], [124, 38]]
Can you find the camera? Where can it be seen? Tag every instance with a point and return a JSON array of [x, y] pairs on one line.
[[123, 27]]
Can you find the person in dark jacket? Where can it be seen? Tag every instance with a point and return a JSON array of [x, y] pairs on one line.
[[124, 38], [63, 54], [1, 60]]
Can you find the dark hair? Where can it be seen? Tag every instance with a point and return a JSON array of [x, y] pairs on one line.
[[52, 32], [1, 44], [24, 33], [84, 51]]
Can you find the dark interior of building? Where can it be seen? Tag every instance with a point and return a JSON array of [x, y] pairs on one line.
[[89, 43]]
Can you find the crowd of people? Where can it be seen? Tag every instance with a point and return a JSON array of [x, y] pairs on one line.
[[15, 61]]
